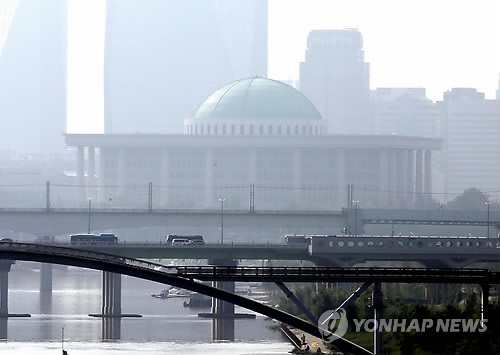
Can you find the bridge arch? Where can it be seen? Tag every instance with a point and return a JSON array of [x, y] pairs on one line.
[[132, 267]]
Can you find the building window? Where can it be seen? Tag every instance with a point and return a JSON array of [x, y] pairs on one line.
[[223, 129], [288, 130], [296, 130], [270, 130], [208, 129], [310, 130], [201, 129], [195, 129], [316, 130], [279, 130], [261, 129], [251, 129], [216, 129], [242, 129], [233, 130], [303, 130]]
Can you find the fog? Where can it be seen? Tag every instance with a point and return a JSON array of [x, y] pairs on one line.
[[192, 115]]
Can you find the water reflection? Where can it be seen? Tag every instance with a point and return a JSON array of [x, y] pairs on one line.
[[111, 328], [45, 302], [3, 328]]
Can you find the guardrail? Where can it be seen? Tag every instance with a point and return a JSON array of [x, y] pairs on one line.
[[425, 275]]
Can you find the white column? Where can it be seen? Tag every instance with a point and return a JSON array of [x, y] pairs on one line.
[[341, 184], [91, 172], [419, 176], [297, 180], [164, 180], [410, 177], [427, 172], [121, 173], [383, 178], [400, 177], [101, 193], [209, 179], [80, 175], [252, 169], [392, 171]]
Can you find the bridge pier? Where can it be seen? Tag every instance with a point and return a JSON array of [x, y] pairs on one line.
[[111, 328], [4, 287], [223, 312], [111, 294], [45, 277]]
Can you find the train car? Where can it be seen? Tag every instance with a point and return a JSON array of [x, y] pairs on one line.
[[94, 239]]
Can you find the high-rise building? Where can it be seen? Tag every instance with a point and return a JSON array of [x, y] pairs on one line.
[[33, 78], [405, 111], [163, 57], [335, 77], [471, 148]]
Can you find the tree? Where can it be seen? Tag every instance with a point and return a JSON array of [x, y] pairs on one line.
[[471, 199]]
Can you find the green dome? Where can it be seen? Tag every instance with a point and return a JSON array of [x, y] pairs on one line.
[[257, 98]]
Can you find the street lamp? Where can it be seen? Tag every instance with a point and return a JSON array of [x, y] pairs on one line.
[[222, 220], [355, 204], [488, 223], [90, 207]]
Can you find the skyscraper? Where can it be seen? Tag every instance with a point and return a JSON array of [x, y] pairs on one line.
[[163, 57], [33, 78], [335, 77], [470, 130]]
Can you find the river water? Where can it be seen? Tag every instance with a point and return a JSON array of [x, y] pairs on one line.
[[167, 327]]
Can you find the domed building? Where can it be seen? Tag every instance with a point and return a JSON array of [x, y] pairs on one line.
[[258, 144], [256, 106]]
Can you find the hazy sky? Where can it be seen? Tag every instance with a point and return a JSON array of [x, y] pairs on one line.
[[408, 43]]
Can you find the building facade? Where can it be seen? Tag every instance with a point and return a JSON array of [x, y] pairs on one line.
[[33, 78], [163, 57], [286, 161], [335, 77], [471, 145]]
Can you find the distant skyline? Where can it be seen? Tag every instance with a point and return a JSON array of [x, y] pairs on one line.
[[436, 45]]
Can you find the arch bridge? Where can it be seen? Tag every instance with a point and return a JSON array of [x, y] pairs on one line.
[[184, 277]]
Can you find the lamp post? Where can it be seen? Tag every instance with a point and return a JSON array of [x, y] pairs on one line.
[[355, 204], [222, 220], [488, 222], [90, 207]]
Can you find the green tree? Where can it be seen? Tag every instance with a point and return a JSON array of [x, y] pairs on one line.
[[471, 199]]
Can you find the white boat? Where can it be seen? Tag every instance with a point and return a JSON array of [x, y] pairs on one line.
[[172, 293]]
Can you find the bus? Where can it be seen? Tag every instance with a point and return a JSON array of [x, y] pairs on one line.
[[94, 239], [187, 239]]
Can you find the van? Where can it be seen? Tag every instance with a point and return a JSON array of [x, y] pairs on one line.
[[171, 237]]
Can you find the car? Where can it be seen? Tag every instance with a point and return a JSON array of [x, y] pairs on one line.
[[196, 242], [6, 240]]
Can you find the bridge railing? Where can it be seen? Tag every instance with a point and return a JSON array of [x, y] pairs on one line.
[[458, 275], [84, 253]]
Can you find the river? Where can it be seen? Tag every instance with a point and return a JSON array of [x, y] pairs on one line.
[[166, 326]]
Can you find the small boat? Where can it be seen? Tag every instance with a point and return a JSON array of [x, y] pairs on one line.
[[172, 292]]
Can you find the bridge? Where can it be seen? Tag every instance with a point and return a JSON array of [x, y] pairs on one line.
[[324, 250], [50, 221], [183, 277]]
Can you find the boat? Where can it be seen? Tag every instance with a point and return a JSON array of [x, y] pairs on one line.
[[172, 292]]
